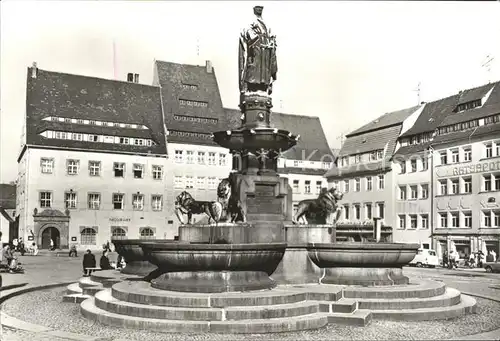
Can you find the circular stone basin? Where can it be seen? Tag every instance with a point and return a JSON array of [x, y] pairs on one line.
[[362, 263], [267, 138], [214, 267], [131, 250]]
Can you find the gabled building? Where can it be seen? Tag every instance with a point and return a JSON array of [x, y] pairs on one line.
[[466, 173], [364, 172], [94, 160], [7, 213], [412, 172], [192, 109]]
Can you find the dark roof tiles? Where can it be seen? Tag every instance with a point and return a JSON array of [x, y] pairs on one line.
[[8, 196], [75, 96], [384, 138], [197, 85], [388, 119]]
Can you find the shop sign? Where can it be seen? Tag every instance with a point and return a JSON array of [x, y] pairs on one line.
[[119, 220], [477, 168]]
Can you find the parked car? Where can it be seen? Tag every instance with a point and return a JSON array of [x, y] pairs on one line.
[[425, 257], [491, 266]]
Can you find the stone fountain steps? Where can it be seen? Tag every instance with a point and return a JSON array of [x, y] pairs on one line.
[[450, 297], [467, 305], [74, 288], [142, 293], [422, 289], [75, 298], [251, 326], [104, 300]]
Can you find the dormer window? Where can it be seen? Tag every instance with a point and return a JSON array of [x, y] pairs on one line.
[[468, 105]]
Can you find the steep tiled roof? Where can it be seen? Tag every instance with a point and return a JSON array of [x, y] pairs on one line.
[[407, 151], [490, 107], [195, 84], [433, 115], [386, 120], [81, 97], [312, 144], [371, 141], [474, 93], [7, 196]]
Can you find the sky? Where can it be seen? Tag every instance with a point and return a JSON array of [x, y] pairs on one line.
[[345, 62]]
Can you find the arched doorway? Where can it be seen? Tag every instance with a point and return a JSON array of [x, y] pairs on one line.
[[51, 233]]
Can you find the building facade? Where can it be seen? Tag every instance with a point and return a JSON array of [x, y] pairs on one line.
[[444, 173], [94, 161]]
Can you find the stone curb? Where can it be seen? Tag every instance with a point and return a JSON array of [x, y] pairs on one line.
[[14, 323], [4, 298], [492, 334], [12, 286]]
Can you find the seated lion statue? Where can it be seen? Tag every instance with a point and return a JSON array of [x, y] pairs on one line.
[[186, 204], [320, 210]]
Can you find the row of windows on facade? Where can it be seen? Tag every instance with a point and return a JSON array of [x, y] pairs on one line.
[[489, 219], [94, 168], [65, 135], [94, 201], [95, 122], [195, 119], [463, 185], [420, 191], [375, 155], [201, 158], [428, 136], [414, 220], [88, 235], [468, 125], [464, 154], [368, 183], [300, 163], [187, 182], [307, 186], [368, 211]]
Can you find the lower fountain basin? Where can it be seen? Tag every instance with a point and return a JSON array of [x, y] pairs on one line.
[[366, 255], [131, 250], [214, 267], [368, 264]]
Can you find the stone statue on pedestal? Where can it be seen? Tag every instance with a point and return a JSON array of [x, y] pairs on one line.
[[257, 57]]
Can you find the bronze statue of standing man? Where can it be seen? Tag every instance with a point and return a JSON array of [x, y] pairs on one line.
[[257, 57]]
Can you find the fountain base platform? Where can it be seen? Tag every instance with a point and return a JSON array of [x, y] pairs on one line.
[[286, 308], [213, 281]]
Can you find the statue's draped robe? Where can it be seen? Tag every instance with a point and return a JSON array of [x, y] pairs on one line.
[[257, 63]]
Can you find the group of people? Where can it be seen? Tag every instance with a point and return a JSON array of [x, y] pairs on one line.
[[89, 260], [8, 258], [475, 259]]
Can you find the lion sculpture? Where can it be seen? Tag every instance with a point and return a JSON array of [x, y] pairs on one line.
[[320, 210], [227, 207]]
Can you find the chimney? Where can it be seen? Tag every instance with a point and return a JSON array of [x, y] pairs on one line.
[[136, 78], [34, 70], [130, 77], [208, 65]]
